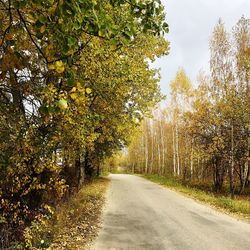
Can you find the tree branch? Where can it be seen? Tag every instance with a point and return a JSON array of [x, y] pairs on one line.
[[30, 35]]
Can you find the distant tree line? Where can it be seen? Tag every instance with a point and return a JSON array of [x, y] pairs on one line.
[[202, 135]]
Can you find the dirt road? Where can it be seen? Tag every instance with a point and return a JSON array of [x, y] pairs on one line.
[[143, 215]]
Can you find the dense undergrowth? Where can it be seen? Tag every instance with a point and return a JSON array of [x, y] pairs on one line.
[[72, 224]]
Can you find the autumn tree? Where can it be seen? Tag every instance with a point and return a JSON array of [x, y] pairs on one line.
[[206, 130], [72, 78]]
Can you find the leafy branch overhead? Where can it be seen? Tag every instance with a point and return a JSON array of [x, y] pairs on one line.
[[57, 28]]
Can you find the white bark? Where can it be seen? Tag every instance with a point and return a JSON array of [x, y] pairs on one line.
[[191, 158], [177, 150], [174, 153]]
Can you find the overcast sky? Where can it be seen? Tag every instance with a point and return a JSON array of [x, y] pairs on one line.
[[191, 23]]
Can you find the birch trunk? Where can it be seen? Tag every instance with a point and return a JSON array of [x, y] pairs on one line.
[[177, 150], [159, 158], [232, 163], [162, 146], [146, 151], [174, 153], [152, 150], [191, 158]]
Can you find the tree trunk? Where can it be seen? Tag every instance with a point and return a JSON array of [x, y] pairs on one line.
[[152, 150], [244, 177], [174, 153], [177, 150], [231, 171], [218, 174], [163, 147], [146, 148], [191, 158], [159, 158], [88, 167]]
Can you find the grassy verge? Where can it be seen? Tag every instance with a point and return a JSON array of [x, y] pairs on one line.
[[239, 207], [75, 223]]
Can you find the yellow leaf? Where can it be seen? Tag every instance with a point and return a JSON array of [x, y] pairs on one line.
[[59, 63], [73, 96], [52, 66], [60, 70], [42, 29], [62, 104], [59, 67], [88, 91], [73, 89]]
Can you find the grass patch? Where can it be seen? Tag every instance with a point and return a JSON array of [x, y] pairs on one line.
[[238, 206], [74, 224]]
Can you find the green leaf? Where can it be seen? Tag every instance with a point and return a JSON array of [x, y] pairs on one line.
[[43, 19]]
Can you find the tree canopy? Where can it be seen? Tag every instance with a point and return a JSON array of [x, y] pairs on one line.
[[74, 83]]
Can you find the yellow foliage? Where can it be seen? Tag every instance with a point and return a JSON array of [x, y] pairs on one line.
[[58, 66], [88, 91], [42, 29]]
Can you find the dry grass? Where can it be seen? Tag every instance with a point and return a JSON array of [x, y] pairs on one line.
[[239, 207], [75, 223], [77, 220]]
